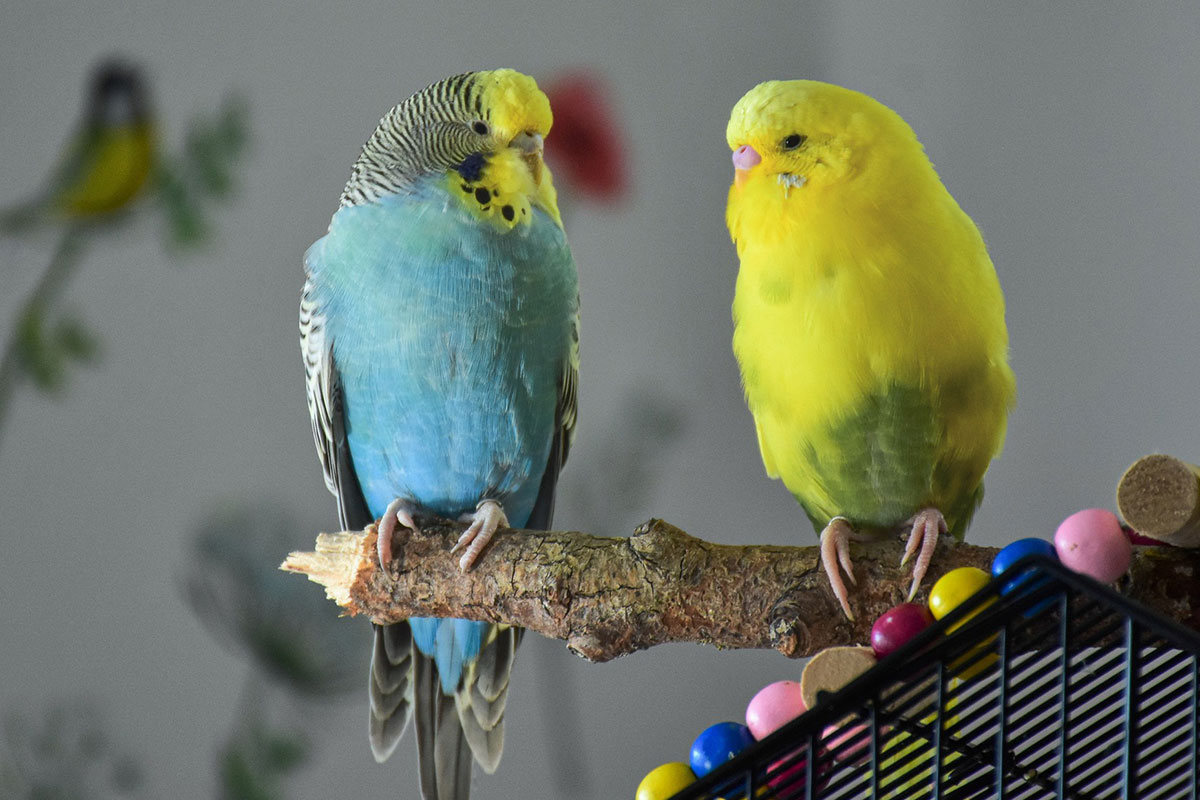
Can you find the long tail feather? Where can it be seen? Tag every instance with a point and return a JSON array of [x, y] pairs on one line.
[[391, 687], [442, 750]]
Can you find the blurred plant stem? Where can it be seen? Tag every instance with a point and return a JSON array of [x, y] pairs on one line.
[[262, 751], [292, 641], [20, 354]]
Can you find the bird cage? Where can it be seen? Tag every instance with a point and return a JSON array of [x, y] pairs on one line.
[[1045, 684]]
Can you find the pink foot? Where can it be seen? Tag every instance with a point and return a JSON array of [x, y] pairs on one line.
[[835, 551], [488, 516], [398, 511], [927, 524]]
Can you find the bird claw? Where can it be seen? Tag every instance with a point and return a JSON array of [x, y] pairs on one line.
[[399, 511], [835, 552], [927, 524], [488, 516]]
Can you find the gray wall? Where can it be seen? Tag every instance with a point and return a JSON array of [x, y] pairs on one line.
[[1069, 131]]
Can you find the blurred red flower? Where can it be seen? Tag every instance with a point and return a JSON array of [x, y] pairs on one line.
[[584, 144]]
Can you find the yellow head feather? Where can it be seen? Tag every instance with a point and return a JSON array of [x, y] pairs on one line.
[[514, 103]]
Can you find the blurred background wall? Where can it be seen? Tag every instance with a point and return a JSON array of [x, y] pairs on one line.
[[1069, 131]]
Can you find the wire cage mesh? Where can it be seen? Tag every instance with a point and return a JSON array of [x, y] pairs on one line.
[[1049, 685]]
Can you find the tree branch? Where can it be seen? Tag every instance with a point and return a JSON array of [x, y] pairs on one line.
[[608, 597]]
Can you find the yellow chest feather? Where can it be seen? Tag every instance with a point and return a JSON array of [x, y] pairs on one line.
[[507, 191], [836, 301]]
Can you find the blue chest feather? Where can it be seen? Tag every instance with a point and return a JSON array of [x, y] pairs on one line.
[[451, 338]]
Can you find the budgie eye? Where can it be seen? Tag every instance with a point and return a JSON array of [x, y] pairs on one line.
[[793, 141], [480, 127]]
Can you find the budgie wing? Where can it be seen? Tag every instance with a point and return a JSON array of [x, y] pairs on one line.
[[327, 414], [391, 688], [564, 434]]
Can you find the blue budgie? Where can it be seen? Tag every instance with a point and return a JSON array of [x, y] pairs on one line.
[[439, 326]]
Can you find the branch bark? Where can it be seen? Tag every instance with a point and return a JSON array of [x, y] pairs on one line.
[[608, 597]]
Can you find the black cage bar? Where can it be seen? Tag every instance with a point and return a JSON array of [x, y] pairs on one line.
[[1061, 688]]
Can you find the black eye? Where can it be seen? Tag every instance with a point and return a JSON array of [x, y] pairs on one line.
[[793, 141], [480, 127]]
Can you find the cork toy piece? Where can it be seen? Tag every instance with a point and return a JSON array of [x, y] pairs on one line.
[[1159, 496]]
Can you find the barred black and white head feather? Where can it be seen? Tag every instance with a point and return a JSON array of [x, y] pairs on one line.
[[448, 125]]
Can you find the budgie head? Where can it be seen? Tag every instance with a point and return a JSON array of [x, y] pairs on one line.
[[456, 125], [118, 96], [795, 137]]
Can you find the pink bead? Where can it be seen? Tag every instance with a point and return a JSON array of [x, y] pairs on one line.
[[1093, 543], [774, 706]]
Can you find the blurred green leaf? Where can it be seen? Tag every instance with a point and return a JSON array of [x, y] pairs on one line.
[[43, 354], [285, 626], [234, 125], [38, 358], [240, 781], [257, 760], [208, 162], [204, 171], [64, 753], [285, 753], [185, 222], [75, 341], [213, 146]]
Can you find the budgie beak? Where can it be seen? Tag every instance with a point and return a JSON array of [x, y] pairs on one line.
[[745, 158], [530, 144]]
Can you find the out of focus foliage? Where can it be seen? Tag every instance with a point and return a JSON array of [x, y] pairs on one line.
[[183, 188], [284, 627], [65, 753]]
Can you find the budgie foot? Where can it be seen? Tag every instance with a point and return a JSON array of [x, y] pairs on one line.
[[488, 516], [400, 512], [835, 552], [927, 524]]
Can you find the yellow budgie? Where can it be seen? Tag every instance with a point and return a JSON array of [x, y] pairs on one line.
[[868, 321]]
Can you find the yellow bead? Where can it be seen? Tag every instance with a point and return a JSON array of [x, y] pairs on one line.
[[947, 594], [953, 588], [664, 781]]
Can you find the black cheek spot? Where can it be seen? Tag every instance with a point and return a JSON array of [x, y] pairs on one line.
[[508, 213], [466, 188], [482, 195], [472, 167]]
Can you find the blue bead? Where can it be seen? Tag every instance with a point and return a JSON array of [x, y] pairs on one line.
[[1014, 553], [717, 744]]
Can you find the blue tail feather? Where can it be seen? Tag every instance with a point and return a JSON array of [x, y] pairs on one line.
[[451, 642]]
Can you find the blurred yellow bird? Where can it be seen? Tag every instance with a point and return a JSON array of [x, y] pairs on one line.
[[109, 160], [868, 322]]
